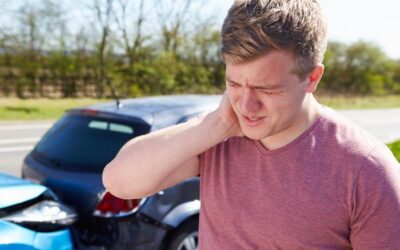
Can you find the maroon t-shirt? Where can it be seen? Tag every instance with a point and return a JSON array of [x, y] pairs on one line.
[[334, 187]]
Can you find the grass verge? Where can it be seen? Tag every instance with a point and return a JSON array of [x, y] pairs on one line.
[[395, 147], [50, 109], [359, 102], [39, 109]]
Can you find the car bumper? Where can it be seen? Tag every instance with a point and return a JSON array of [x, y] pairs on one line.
[[131, 232], [15, 237]]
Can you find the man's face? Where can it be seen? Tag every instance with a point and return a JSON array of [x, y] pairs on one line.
[[266, 95]]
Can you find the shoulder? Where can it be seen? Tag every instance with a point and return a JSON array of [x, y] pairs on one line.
[[372, 158], [381, 164], [375, 199], [358, 149], [346, 146], [344, 136]]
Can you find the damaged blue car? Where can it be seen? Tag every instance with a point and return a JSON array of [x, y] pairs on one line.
[[32, 218]]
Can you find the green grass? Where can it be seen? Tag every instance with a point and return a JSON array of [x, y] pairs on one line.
[[50, 109], [395, 147], [359, 102], [39, 109]]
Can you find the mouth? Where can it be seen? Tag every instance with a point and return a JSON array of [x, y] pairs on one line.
[[252, 120]]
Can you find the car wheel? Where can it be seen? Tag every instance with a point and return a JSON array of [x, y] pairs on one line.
[[186, 237]]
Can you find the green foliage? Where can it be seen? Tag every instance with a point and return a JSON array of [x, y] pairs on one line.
[[360, 68], [42, 58], [395, 147]]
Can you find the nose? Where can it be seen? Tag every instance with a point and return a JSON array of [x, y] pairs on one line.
[[249, 101]]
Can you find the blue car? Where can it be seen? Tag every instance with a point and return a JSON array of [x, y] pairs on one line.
[[31, 218]]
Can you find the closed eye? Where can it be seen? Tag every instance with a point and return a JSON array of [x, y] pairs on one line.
[[264, 91], [267, 92], [233, 84]]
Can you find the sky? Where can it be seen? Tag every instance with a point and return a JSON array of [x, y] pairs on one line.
[[353, 20]]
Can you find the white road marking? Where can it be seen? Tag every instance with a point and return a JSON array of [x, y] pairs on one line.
[[16, 149], [24, 127], [10, 145], [19, 140]]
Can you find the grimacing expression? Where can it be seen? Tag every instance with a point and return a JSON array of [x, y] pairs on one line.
[[266, 95]]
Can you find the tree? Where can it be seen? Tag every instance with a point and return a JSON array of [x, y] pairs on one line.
[[359, 68], [132, 39], [38, 34], [103, 13], [335, 66], [366, 69]]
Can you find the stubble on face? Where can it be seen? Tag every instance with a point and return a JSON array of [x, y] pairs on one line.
[[265, 94]]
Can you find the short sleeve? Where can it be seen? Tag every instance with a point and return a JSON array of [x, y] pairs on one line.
[[204, 159], [375, 215]]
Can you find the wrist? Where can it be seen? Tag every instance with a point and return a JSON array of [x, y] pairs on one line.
[[218, 128]]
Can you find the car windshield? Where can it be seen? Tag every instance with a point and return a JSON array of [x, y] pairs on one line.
[[85, 143]]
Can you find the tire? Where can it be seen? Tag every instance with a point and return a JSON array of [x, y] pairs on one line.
[[186, 236]]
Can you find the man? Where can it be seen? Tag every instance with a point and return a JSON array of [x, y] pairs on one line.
[[277, 169]]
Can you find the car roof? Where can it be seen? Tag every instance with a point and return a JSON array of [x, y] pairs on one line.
[[159, 111]]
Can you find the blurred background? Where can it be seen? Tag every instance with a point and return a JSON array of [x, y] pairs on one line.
[[63, 49]]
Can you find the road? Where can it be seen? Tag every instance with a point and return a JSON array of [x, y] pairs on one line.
[[18, 138], [384, 124]]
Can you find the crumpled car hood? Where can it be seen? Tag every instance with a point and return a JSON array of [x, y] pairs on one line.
[[14, 190]]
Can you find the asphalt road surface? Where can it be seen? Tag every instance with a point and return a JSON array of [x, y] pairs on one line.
[[384, 124], [18, 138]]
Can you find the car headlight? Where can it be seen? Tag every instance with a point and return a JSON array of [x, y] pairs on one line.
[[44, 216]]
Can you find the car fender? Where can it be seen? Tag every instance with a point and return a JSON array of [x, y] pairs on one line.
[[158, 206], [181, 212]]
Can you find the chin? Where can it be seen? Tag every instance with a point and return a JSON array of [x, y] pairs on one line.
[[254, 135], [253, 138]]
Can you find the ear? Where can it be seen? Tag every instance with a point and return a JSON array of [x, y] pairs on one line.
[[314, 77]]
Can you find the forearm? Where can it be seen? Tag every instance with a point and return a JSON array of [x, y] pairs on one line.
[[144, 162]]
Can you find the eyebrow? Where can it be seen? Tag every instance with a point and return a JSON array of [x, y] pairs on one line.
[[260, 87]]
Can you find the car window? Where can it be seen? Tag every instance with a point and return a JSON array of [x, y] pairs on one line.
[[104, 125], [85, 143]]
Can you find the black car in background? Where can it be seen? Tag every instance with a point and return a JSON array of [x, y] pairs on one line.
[[70, 159]]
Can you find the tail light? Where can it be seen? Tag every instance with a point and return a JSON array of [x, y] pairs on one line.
[[110, 206], [89, 112]]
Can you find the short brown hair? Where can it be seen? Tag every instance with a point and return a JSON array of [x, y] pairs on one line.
[[255, 27]]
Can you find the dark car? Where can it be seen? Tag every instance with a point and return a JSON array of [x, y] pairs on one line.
[[72, 154]]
